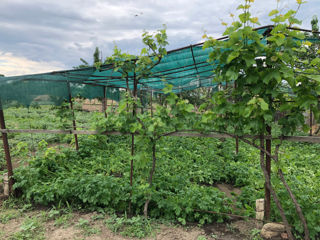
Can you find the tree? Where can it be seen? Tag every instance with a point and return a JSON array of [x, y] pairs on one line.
[[259, 71], [132, 69], [315, 26], [96, 56], [96, 60]]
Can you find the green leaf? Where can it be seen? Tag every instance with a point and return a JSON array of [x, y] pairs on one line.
[[264, 106], [233, 55], [273, 12]]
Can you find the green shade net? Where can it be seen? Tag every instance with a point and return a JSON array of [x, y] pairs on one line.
[[51, 88], [185, 68]]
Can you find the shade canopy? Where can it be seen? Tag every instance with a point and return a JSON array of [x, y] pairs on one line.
[[185, 68]]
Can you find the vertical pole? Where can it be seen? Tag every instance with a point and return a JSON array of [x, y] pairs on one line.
[[237, 138], [268, 168], [151, 104], [127, 90], [237, 145], [112, 105], [262, 146], [310, 122], [6, 149], [135, 85], [73, 117], [104, 101]]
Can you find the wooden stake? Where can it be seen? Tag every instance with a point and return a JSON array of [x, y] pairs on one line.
[[267, 194], [310, 122], [104, 101], [6, 150], [237, 145], [73, 117]]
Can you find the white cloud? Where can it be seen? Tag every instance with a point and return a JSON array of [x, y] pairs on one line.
[[11, 65], [55, 31]]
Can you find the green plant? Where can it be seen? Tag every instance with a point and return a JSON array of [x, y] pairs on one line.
[[85, 226], [259, 72], [30, 229], [138, 226], [255, 234], [7, 215], [63, 220], [201, 238]]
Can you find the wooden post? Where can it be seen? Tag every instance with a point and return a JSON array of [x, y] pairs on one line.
[[112, 105], [237, 145], [6, 149], [310, 122], [104, 100], [73, 117], [267, 194]]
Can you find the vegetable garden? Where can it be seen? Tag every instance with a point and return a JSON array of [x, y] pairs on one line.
[[160, 151]]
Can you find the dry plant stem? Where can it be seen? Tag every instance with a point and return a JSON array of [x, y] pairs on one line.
[[274, 195], [154, 159]]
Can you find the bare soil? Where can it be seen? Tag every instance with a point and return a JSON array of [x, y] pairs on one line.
[[70, 229], [96, 105]]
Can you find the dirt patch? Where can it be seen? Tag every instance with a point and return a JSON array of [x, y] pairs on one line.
[[72, 229], [53, 233], [230, 231], [228, 189], [179, 233], [96, 105], [10, 227], [316, 129]]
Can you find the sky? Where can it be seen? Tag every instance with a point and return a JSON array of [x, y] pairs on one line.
[[48, 35]]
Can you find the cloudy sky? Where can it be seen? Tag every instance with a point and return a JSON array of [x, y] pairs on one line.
[[47, 35]]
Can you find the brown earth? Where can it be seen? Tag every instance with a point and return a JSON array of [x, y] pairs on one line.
[[70, 229], [96, 105]]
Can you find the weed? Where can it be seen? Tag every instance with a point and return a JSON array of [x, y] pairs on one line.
[[214, 236], [8, 215], [97, 217], [138, 226], [230, 227], [87, 229], [201, 238], [30, 229], [63, 220], [255, 234], [53, 214]]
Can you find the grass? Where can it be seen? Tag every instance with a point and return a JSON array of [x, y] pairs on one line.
[[7, 215], [86, 227], [138, 226], [30, 229]]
